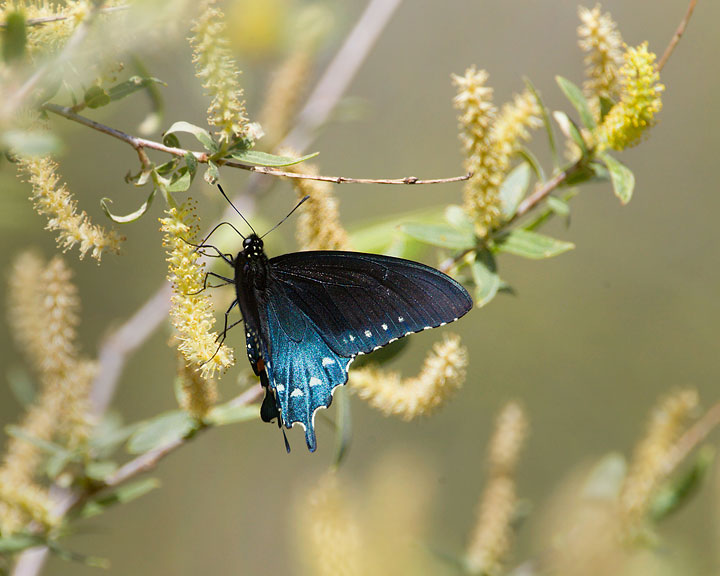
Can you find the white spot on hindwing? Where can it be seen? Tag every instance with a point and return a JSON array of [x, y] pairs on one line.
[[384, 326], [368, 333], [314, 381], [352, 338], [327, 361], [297, 393], [280, 388], [401, 319]]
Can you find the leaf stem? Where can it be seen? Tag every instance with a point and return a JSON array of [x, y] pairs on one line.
[[678, 34]]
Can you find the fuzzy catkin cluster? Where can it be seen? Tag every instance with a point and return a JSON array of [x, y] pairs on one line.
[[648, 468], [319, 226], [441, 375], [191, 310], [53, 199], [491, 537], [639, 103], [489, 140], [602, 43], [217, 69]]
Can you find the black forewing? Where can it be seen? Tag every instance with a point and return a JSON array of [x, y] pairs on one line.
[[360, 302]]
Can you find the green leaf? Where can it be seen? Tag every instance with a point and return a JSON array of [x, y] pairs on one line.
[[570, 129], [31, 142], [121, 495], [96, 97], [559, 206], [526, 154], [161, 431], [531, 244], [180, 181], [133, 216], [577, 99], [379, 235], [100, 469], [606, 478], [546, 120], [257, 158], [606, 104], [623, 180], [202, 135], [440, 235], [21, 385], [679, 491], [513, 190], [232, 413], [487, 281], [19, 542], [44, 445], [131, 85], [191, 162], [14, 37], [109, 435], [548, 210], [458, 218], [212, 174]]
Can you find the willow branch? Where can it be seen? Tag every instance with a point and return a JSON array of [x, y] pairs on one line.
[[141, 144], [692, 438], [678, 34]]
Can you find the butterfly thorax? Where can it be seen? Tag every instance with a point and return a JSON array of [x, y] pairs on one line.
[[251, 269]]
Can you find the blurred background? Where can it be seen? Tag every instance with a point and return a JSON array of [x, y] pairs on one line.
[[588, 343]]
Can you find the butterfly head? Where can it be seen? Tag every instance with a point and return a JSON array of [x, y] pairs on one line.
[[253, 247]]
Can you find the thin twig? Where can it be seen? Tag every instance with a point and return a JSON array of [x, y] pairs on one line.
[[676, 37], [692, 438], [140, 144]]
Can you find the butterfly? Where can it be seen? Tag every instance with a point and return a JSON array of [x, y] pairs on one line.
[[308, 315]]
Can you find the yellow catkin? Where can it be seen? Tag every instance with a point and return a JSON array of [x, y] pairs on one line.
[[639, 103], [43, 313], [191, 309], [329, 537], [648, 468], [52, 198], [512, 126], [599, 38], [491, 537], [218, 71], [442, 374], [477, 113], [197, 394], [489, 140], [318, 226]]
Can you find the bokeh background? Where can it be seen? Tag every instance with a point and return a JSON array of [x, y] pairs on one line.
[[587, 344]]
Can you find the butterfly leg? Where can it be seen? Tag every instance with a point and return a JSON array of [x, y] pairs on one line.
[[205, 283], [227, 257], [223, 334]]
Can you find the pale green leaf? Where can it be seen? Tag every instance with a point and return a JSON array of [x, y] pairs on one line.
[[440, 235], [19, 542], [258, 158], [232, 413], [531, 244], [622, 178], [31, 142], [513, 190], [96, 97], [568, 127], [121, 495], [21, 385], [131, 85], [202, 135], [577, 99], [133, 216], [161, 431], [458, 218], [546, 120], [485, 277]]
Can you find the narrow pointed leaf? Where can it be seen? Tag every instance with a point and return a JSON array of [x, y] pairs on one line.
[[622, 178], [577, 99], [161, 431], [133, 216], [231, 413], [257, 158], [202, 135], [19, 542], [440, 235], [513, 190], [121, 495], [570, 130], [531, 244], [458, 218], [131, 85], [487, 281], [546, 120]]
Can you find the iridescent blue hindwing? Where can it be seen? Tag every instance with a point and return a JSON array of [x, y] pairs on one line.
[[302, 369]]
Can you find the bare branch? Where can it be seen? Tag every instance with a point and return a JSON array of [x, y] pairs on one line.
[[676, 37]]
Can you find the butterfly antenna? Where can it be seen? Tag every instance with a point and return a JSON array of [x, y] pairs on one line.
[[286, 217], [236, 210]]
